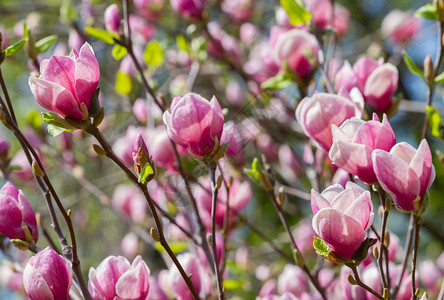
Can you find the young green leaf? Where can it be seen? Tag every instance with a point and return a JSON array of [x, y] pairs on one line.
[[55, 131], [278, 82], [320, 247], [439, 78], [13, 49], [56, 120], [153, 54], [145, 173], [428, 11], [296, 11], [182, 43], [176, 247], [412, 66], [102, 35], [43, 45], [124, 84], [435, 121], [118, 52]]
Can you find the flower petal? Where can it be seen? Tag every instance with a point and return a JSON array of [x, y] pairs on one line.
[[87, 74], [55, 98], [380, 86], [342, 233], [397, 178]]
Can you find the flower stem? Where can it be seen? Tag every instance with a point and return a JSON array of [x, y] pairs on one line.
[[417, 223], [214, 190]]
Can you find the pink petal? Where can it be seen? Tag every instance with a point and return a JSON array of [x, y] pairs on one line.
[[422, 165], [28, 216], [55, 98], [364, 67], [60, 70], [318, 202], [134, 284], [354, 158], [345, 199], [404, 151], [380, 86], [87, 74], [343, 234], [35, 285], [397, 178], [346, 78], [361, 210]]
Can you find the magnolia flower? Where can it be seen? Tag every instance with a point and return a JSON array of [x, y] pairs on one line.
[[17, 219], [66, 82], [341, 217], [47, 276], [116, 278], [195, 123], [354, 142], [405, 173]]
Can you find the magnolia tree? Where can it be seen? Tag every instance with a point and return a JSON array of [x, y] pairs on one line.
[[234, 149]]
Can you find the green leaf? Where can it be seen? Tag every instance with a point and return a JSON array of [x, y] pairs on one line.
[[199, 48], [439, 78], [412, 67], [118, 52], [296, 11], [68, 12], [45, 43], [102, 35], [320, 247], [428, 11], [435, 121], [182, 43], [278, 82], [153, 54], [231, 284], [145, 173], [124, 84], [54, 130], [255, 172], [13, 49], [176, 247], [56, 120]]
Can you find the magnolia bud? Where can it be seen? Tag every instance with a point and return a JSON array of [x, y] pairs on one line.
[[429, 73]]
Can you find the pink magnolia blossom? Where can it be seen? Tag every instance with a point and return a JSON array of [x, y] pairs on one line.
[[239, 196], [371, 277], [221, 42], [189, 8], [129, 201], [291, 48], [130, 244], [4, 148], [162, 150], [238, 10], [16, 215], [123, 146], [317, 115], [67, 81], [248, 32], [47, 276], [140, 110], [304, 235], [11, 279], [195, 123], [116, 278], [399, 26], [377, 81], [292, 280], [261, 65], [354, 142], [141, 29], [149, 8], [200, 278], [341, 217], [75, 41], [235, 150], [112, 18], [405, 173]]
